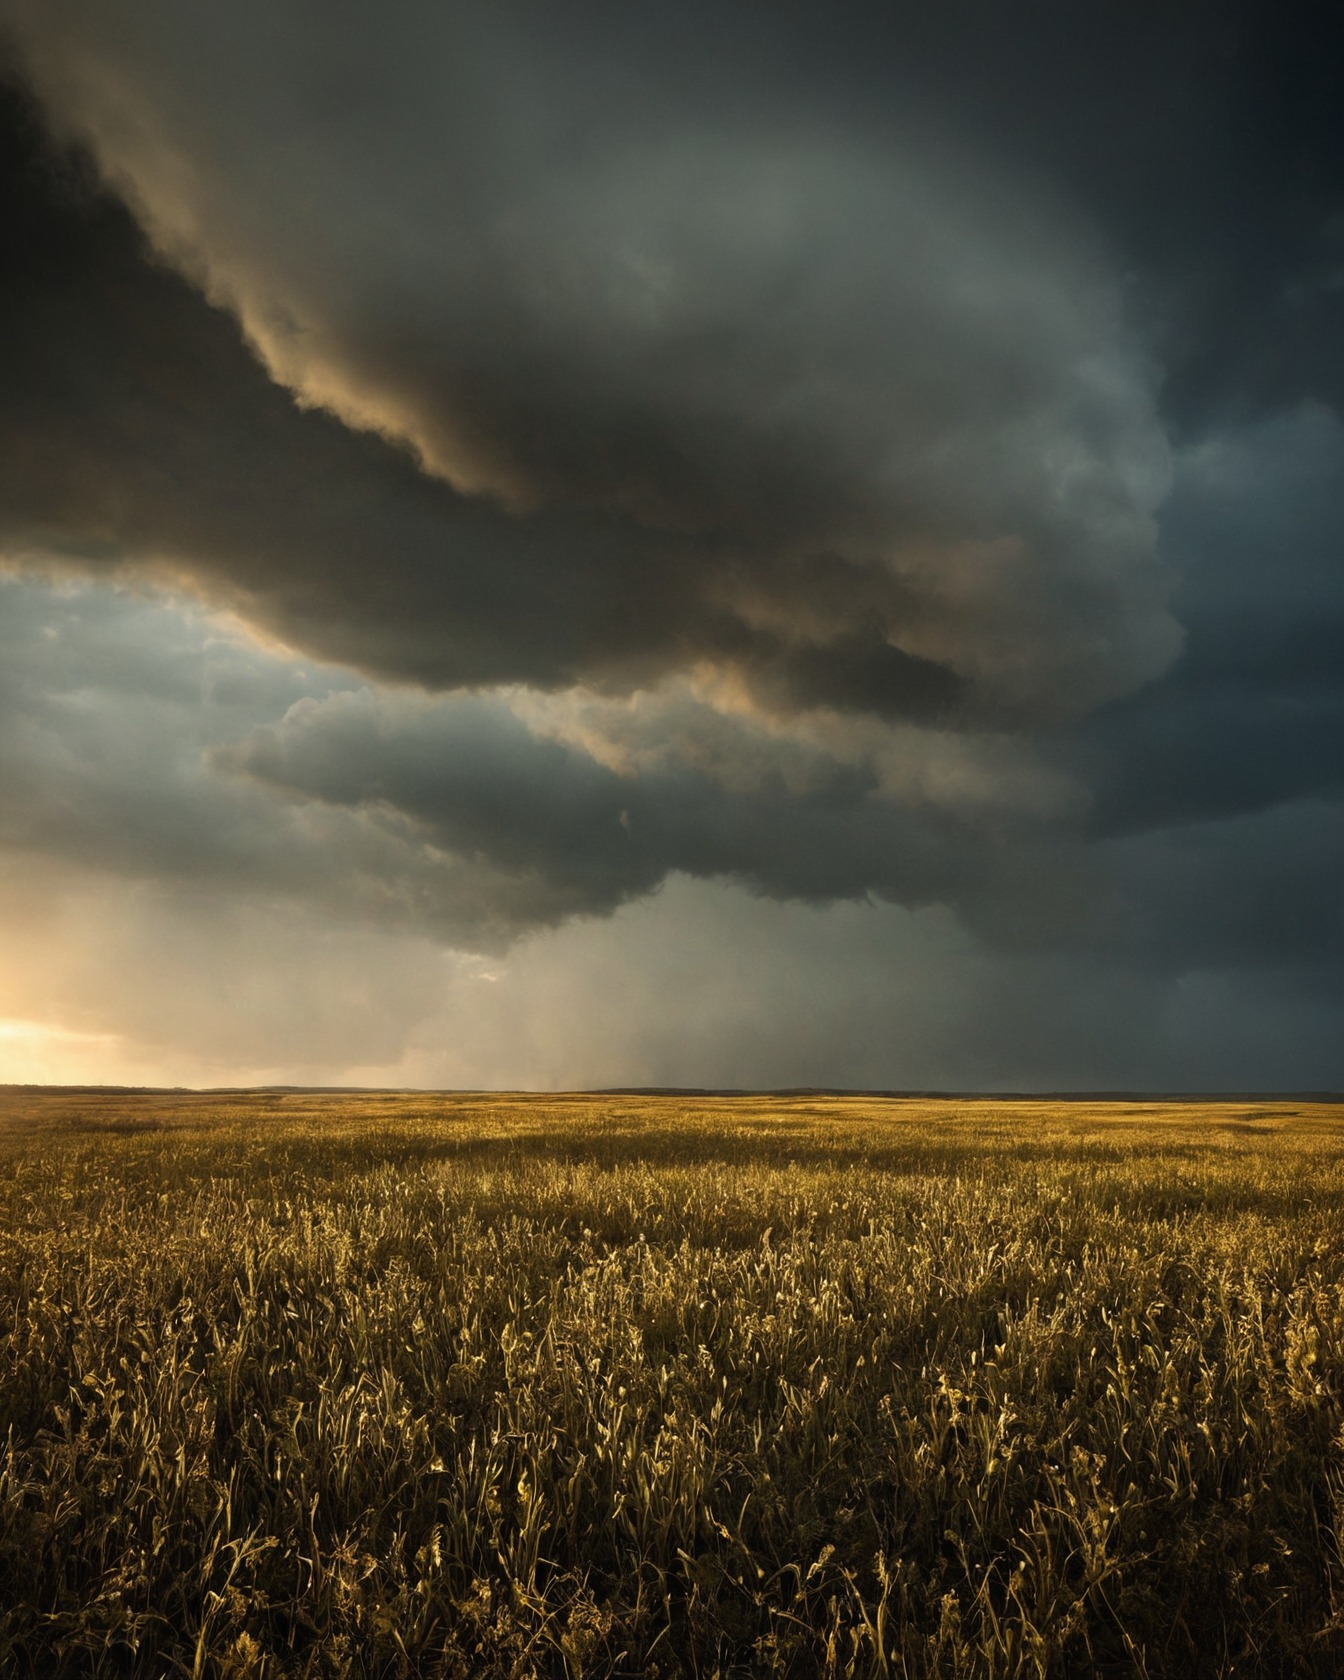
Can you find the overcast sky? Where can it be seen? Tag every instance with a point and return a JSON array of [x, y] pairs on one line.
[[717, 544]]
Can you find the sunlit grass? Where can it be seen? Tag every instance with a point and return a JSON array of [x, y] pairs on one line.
[[407, 1385]]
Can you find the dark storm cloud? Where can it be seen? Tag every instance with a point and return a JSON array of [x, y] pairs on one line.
[[1253, 713], [114, 706], [1194, 825], [137, 429], [754, 388], [804, 430], [1250, 890], [483, 785], [144, 740], [1206, 141]]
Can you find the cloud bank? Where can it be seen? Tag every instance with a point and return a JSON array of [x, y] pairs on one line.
[[494, 512], [711, 377]]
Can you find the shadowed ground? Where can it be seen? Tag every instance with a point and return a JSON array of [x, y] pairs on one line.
[[321, 1383]]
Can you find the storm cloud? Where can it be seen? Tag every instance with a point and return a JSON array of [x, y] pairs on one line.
[[712, 377], [479, 481]]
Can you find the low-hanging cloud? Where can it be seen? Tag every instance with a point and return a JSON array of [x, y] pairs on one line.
[[712, 377]]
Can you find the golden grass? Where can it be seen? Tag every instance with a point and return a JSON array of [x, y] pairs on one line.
[[318, 1384]]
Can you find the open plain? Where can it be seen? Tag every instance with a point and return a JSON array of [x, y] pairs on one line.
[[318, 1384]]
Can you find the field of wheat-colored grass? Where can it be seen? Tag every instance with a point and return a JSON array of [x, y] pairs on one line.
[[305, 1384]]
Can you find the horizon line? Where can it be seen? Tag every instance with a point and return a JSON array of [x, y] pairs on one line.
[[892, 1093]]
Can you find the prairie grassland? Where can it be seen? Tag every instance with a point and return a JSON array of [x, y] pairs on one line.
[[302, 1384]]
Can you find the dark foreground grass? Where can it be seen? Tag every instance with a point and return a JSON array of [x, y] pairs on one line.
[[321, 1385]]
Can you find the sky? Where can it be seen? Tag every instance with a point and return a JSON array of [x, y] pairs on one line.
[[726, 544]]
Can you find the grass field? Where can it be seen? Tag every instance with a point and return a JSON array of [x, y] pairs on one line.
[[303, 1384]]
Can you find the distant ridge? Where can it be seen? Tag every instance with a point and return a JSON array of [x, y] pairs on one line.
[[110, 1090]]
